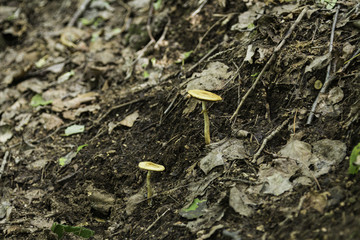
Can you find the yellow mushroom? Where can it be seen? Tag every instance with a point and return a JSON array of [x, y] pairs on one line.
[[150, 166], [205, 96]]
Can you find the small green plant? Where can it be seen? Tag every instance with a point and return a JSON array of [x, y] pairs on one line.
[[255, 74], [183, 57], [354, 163], [195, 210], [146, 74], [37, 100], [63, 161], [60, 230]]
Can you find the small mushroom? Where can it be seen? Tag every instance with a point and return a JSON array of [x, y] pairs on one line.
[[205, 96], [150, 166]]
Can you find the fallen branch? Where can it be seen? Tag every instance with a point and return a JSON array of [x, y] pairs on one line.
[[328, 78], [277, 49], [268, 138]]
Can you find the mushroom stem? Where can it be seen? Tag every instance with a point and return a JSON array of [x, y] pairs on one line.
[[206, 123], [148, 185]]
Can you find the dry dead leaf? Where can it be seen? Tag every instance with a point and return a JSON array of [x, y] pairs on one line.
[[237, 203], [70, 37], [129, 120], [82, 98], [316, 201], [50, 121], [5, 133], [296, 149], [277, 184], [72, 114], [33, 84], [212, 78], [23, 119]]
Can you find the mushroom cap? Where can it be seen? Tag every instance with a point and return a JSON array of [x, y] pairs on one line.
[[150, 166], [204, 95]]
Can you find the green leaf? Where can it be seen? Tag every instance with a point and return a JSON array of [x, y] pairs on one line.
[[184, 56], [329, 4], [353, 169], [146, 74], [254, 75], [74, 129], [153, 61], [97, 22], [63, 161], [187, 54], [41, 62], [251, 26], [37, 100], [66, 76], [194, 205], [195, 210], [157, 4], [60, 230], [81, 147], [86, 21]]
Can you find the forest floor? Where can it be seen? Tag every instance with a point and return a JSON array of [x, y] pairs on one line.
[[85, 98]]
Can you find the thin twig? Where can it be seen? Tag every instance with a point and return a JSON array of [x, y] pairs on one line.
[[328, 78], [148, 24], [294, 124], [347, 63], [202, 59], [236, 74], [117, 107], [199, 8], [222, 52], [128, 12], [78, 13], [151, 225], [268, 138], [142, 51], [162, 37], [197, 64], [277, 49], [5, 158], [207, 32]]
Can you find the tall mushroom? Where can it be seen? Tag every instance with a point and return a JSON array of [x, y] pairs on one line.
[[150, 166], [205, 96]]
